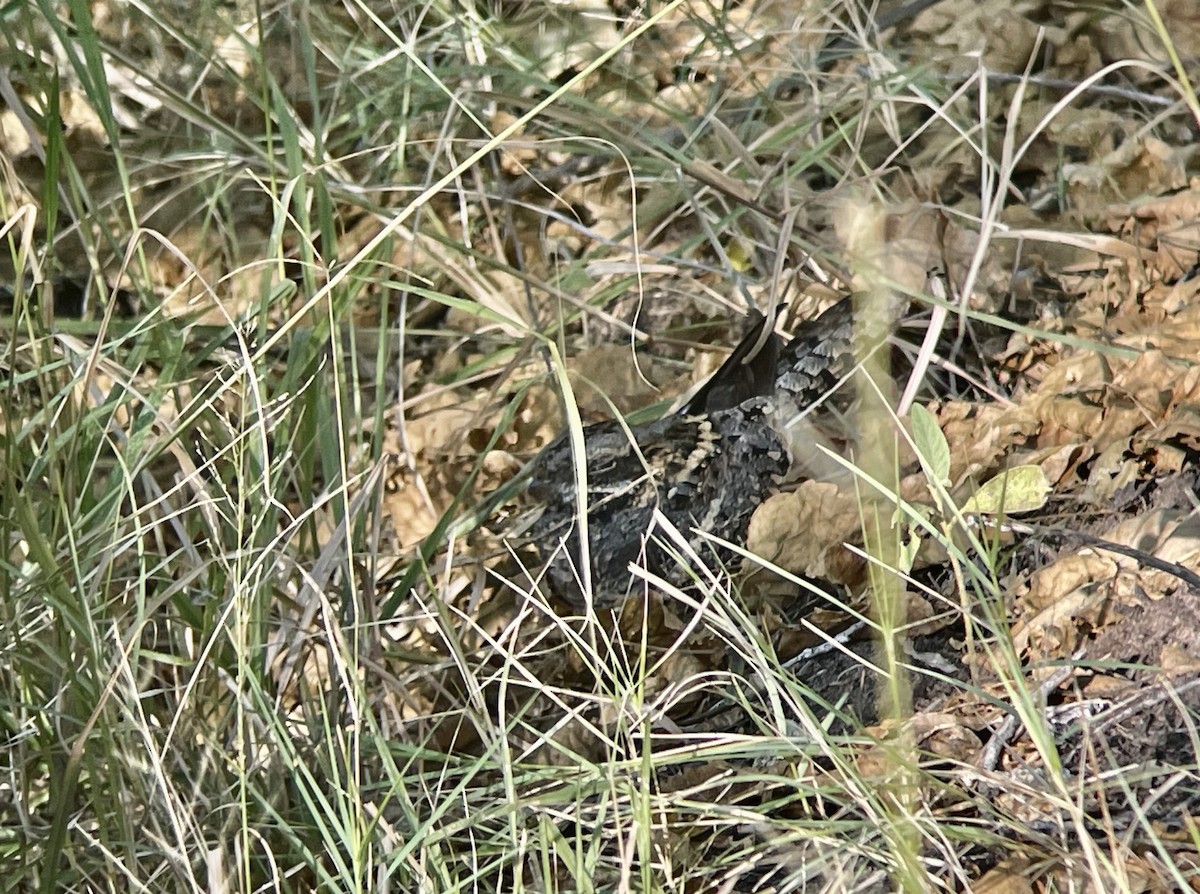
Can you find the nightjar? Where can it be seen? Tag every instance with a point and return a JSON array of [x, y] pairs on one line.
[[705, 468]]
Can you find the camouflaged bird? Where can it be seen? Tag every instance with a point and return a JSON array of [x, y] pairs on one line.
[[705, 467]]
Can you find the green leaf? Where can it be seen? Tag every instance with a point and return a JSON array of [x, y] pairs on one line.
[[1020, 489], [931, 444]]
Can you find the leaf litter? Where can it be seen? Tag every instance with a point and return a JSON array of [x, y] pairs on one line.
[[1086, 283]]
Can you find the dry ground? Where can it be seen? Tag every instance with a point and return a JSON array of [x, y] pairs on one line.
[[346, 264]]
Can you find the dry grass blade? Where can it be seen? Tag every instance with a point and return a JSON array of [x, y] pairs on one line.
[[292, 295]]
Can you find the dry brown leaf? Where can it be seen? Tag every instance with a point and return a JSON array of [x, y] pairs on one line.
[[1165, 223], [198, 278], [1060, 463], [1172, 535], [1108, 686], [1115, 468], [1120, 36], [1062, 603], [441, 426], [442, 437], [939, 734], [1176, 660], [1089, 128], [945, 736], [1102, 401], [1132, 170], [803, 532], [537, 421], [1011, 877], [980, 436], [607, 376], [1004, 36], [1177, 338], [874, 761], [977, 710], [1059, 403]]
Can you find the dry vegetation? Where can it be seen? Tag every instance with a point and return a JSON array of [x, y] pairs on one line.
[[297, 292]]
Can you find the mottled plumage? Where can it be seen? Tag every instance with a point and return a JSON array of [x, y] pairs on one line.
[[706, 467]]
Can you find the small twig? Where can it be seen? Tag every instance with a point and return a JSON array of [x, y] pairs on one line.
[[1189, 577], [1008, 729]]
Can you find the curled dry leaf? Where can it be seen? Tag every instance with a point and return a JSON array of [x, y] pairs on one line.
[[1003, 36], [939, 734], [1062, 603], [607, 376], [803, 532], [980, 436], [1172, 535], [1135, 168], [1011, 877], [440, 443], [1176, 660], [946, 736]]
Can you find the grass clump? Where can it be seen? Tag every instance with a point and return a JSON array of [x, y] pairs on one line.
[[292, 293]]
